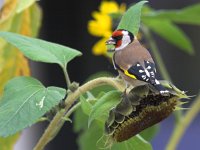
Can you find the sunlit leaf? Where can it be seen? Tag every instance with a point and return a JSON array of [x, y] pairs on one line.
[[171, 33], [12, 61], [131, 19], [40, 50], [23, 4], [31, 21], [35, 17], [24, 101], [101, 108], [8, 142], [8, 10], [5, 26]]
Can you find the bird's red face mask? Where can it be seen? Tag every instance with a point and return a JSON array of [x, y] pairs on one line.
[[119, 40]]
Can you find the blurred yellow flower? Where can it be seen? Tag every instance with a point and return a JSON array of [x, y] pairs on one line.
[[108, 7], [99, 48], [102, 25]]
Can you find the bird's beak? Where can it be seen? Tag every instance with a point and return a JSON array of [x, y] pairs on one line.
[[111, 44], [111, 41]]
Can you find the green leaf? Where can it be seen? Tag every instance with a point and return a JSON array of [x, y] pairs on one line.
[[171, 33], [131, 19], [101, 108], [135, 143], [80, 121], [149, 133], [187, 15], [91, 139], [94, 138], [23, 4], [24, 101], [39, 50], [85, 105], [36, 19]]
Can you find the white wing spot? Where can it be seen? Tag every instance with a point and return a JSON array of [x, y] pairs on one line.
[[41, 103], [149, 67], [147, 62], [152, 74], [147, 72], [157, 82], [138, 65], [141, 71], [144, 77], [163, 92]]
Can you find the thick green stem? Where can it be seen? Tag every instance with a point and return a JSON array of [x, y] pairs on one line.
[[160, 63], [58, 121], [183, 124]]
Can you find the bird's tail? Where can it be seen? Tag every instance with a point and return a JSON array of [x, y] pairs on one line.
[[160, 88]]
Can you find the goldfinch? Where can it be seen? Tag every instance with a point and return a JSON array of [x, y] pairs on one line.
[[133, 62]]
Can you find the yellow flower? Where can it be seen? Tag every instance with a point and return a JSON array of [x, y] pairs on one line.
[[102, 23], [108, 7], [101, 26], [100, 48]]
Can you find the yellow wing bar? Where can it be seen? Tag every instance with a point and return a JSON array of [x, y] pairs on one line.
[[128, 74]]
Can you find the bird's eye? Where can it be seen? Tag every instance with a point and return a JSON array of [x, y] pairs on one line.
[[118, 37]]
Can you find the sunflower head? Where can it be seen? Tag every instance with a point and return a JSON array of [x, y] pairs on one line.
[[141, 108]]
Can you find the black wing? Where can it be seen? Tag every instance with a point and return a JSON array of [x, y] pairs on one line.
[[146, 74]]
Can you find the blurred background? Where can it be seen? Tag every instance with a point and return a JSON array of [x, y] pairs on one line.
[[65, 22]]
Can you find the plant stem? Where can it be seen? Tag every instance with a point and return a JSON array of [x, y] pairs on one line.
[[72, 109], [58, 121], [156, 53], [67, 79], [183, 124], [161, 65]]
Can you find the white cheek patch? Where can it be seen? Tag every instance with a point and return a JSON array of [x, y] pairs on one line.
[[125, 41]]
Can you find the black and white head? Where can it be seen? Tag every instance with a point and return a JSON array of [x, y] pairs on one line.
[[120, 39]]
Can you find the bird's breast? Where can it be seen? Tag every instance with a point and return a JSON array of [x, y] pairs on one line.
[[131, 55]]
